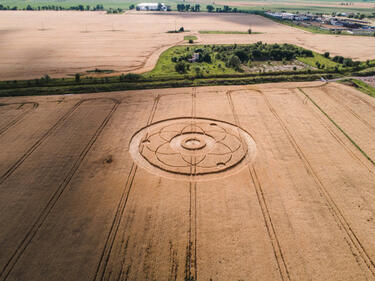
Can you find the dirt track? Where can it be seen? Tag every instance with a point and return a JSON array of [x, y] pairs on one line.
[[63, 43], [75, 206]]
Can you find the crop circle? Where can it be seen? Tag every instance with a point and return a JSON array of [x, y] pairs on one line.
[[192, 149]]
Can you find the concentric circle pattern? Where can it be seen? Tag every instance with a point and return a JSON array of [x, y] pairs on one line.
[[192, 148]]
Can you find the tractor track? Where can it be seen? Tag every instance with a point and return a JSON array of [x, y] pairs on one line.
[[352, 239], [278, 253], [332, 97], [191, 271], [18, 163], [337, 138], [112, 234], [19, 117], [57, 194]]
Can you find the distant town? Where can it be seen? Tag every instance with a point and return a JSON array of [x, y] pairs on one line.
[[340, 23]]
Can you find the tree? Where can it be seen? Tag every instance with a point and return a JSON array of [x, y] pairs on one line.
[[191, 41], [78, 77], [198, 72], [234, 62], [210, 8], [207, 58], [326, 55], [249, 31], [180, 7], [131, 7], [180, 67], [242, 55]]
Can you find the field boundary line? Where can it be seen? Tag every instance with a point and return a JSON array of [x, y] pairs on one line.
[[53, 200], [332, 97], [278, 253], [119, 214], [334, 209], [338, 139], [337, 126], [19, 117]]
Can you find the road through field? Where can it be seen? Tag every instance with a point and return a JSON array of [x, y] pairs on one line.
[[275, 188]]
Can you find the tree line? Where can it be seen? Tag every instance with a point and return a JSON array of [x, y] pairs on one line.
[[188, 8], [98, 7]]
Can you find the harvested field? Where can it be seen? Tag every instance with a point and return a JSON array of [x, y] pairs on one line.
[[34, 43], [262, 182]]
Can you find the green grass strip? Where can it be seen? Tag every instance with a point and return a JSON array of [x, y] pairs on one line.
[[362, 86], [337, 126], [226, 32], [190, 37]]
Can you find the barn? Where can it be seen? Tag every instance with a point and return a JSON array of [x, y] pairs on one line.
[[151, 7]]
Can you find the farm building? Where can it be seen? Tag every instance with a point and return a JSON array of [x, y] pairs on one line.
[[151, 7]]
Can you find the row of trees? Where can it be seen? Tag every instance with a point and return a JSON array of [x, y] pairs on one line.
[[345, 61], [98, 7], [225, 9], [188, 7]]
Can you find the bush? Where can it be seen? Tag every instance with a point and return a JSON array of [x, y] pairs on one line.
[[191, 41], [326, 55], [180, 67], [207, 58], [132, 77], [234, 62], [77, 77], [338, 59]]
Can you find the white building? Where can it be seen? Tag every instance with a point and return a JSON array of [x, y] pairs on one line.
[[195, 57], [151, 7]]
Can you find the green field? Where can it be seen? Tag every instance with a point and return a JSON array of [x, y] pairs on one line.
[[165, 67], [318, 58], [219, 65]]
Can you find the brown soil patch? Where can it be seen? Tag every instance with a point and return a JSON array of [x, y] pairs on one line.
[[74, 205], [63, 43]]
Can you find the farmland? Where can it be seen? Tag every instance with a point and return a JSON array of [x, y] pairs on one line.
[[108, 197], [191, 146], [41, 43]]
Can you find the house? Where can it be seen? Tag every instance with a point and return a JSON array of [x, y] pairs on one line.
[[151, 7], [194, 58]]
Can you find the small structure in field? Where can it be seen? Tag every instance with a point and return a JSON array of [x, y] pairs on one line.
[[151, 7], [195, 58]]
